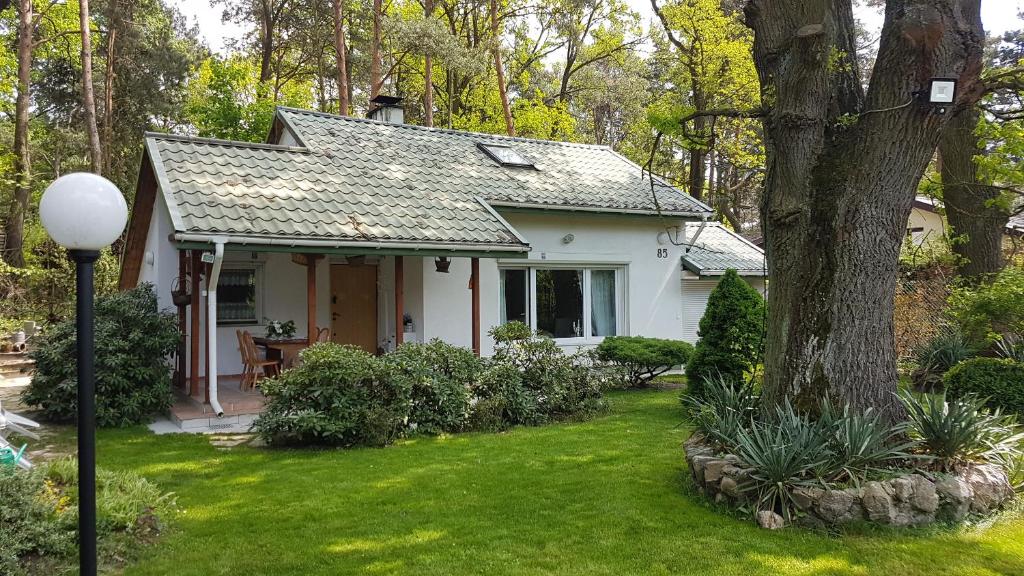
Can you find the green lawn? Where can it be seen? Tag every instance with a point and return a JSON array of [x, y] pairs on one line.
[[607, 496]]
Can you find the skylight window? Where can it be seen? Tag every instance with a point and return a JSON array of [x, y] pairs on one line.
[[506, 155]]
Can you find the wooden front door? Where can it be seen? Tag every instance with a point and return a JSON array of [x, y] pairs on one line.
[[354, 305]]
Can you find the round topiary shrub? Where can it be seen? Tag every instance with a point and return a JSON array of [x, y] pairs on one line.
[[338, 396], [133, 381], [643, 359], [731, 334], [1000, 380], [439, 379]]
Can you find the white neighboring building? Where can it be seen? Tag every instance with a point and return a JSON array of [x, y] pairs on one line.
[[355, 224]]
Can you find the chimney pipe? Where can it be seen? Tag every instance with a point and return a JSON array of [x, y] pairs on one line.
[[387, 109]]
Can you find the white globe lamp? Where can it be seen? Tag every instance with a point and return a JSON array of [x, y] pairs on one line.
[[83, 211]]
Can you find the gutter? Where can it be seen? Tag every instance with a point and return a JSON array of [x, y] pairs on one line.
[[261, 241], [211, 324]]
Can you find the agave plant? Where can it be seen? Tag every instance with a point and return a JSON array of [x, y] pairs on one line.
[[723, 409], [934, 358], [783, 453], [1011, 346], [862, 443], [961, 430]]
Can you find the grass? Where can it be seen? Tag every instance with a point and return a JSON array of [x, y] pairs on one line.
[[609, 496]]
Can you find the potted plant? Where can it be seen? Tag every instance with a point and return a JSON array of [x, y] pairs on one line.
[[279, 330], [407, 323]]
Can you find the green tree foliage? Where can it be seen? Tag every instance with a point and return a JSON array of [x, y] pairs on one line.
[[731, 334], [133, 340], [986, 312]]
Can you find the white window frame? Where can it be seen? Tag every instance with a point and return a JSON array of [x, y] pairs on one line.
[[586, 268], [257, 268]]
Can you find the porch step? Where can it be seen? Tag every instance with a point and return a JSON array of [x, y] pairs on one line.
[[15, 364]]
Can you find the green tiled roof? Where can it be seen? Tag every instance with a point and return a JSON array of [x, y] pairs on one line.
[[717, 249], [568, 175], [260, 191]]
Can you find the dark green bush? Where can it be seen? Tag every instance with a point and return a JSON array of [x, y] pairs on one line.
[[338, 396], [439, 379], [987, 310], [998, 380], [133, 382], [731, 334], [29, 520], [644, 359]]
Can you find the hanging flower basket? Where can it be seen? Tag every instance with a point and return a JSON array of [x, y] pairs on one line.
[[179, 294]]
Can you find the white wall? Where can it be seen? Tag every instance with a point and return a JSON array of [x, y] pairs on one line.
[[933, 226]]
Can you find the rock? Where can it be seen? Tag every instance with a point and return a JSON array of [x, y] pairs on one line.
[[923, 497], [733, 459], [804, 498], [990, 485], [902, 488], [770, 520], [713, 471], [955, 496], [697, 467], [877, 503], [837, 506], [729, 487]]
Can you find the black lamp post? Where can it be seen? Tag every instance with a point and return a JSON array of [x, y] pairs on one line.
[[84, 212]]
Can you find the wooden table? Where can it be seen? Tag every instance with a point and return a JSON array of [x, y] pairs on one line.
[[286, 350]]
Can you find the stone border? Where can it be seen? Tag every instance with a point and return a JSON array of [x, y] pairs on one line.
[[911, 500]]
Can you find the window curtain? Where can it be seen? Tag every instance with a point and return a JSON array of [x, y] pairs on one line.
[[501, 299], [602, 302]]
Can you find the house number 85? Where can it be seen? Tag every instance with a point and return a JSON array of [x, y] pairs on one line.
[[662, 252]]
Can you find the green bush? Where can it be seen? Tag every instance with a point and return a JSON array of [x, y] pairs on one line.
[[731, 334], [1000, 381], [29, 520], [644, 359], [439, 379], [987, 310], [133, 382], [338, 396]]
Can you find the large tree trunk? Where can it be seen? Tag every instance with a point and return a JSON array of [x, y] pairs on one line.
[[428, 75], [977, 226], [14, 229], [500, 70], [267, 17], [88, 94], [375, 80], [342, 57], [842, 170]]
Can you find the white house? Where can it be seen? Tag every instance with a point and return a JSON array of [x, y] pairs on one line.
[[355, 224]]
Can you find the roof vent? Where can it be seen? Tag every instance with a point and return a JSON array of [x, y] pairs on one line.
[[387, 109]]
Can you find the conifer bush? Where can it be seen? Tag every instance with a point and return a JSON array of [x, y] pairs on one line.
[[731, 334]]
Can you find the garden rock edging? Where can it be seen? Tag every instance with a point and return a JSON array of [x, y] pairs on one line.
[[911, 500]]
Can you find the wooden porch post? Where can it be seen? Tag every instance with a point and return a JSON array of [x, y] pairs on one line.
[[179, 376], [399, 300], [311, 329], [194, 332], [475, 283]]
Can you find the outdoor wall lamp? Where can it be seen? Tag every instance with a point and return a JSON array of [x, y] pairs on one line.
[[441, 264], [84, 213]]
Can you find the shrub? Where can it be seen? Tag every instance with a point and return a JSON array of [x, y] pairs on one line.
[[960, 430], [29, 520], [999, 381], [644, 359], [1011, 346], [439, 379], [338, 396], [133, 339], [861, 443], [731, 333], [987, 310], [936, 356]]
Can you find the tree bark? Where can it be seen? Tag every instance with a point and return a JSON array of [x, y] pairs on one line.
[[842, 171], [375, 81], [500, 70], [14, 228], [428, 75], [108, 95], [342, 57], [88, 92], [977, 227]]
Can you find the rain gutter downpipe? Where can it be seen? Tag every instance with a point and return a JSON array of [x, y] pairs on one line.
[[211, 324]]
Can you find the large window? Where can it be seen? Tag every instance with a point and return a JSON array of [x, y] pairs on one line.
[[563, 302], [238, 296]]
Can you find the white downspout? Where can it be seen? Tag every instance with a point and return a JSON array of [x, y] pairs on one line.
[[211, 325]]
